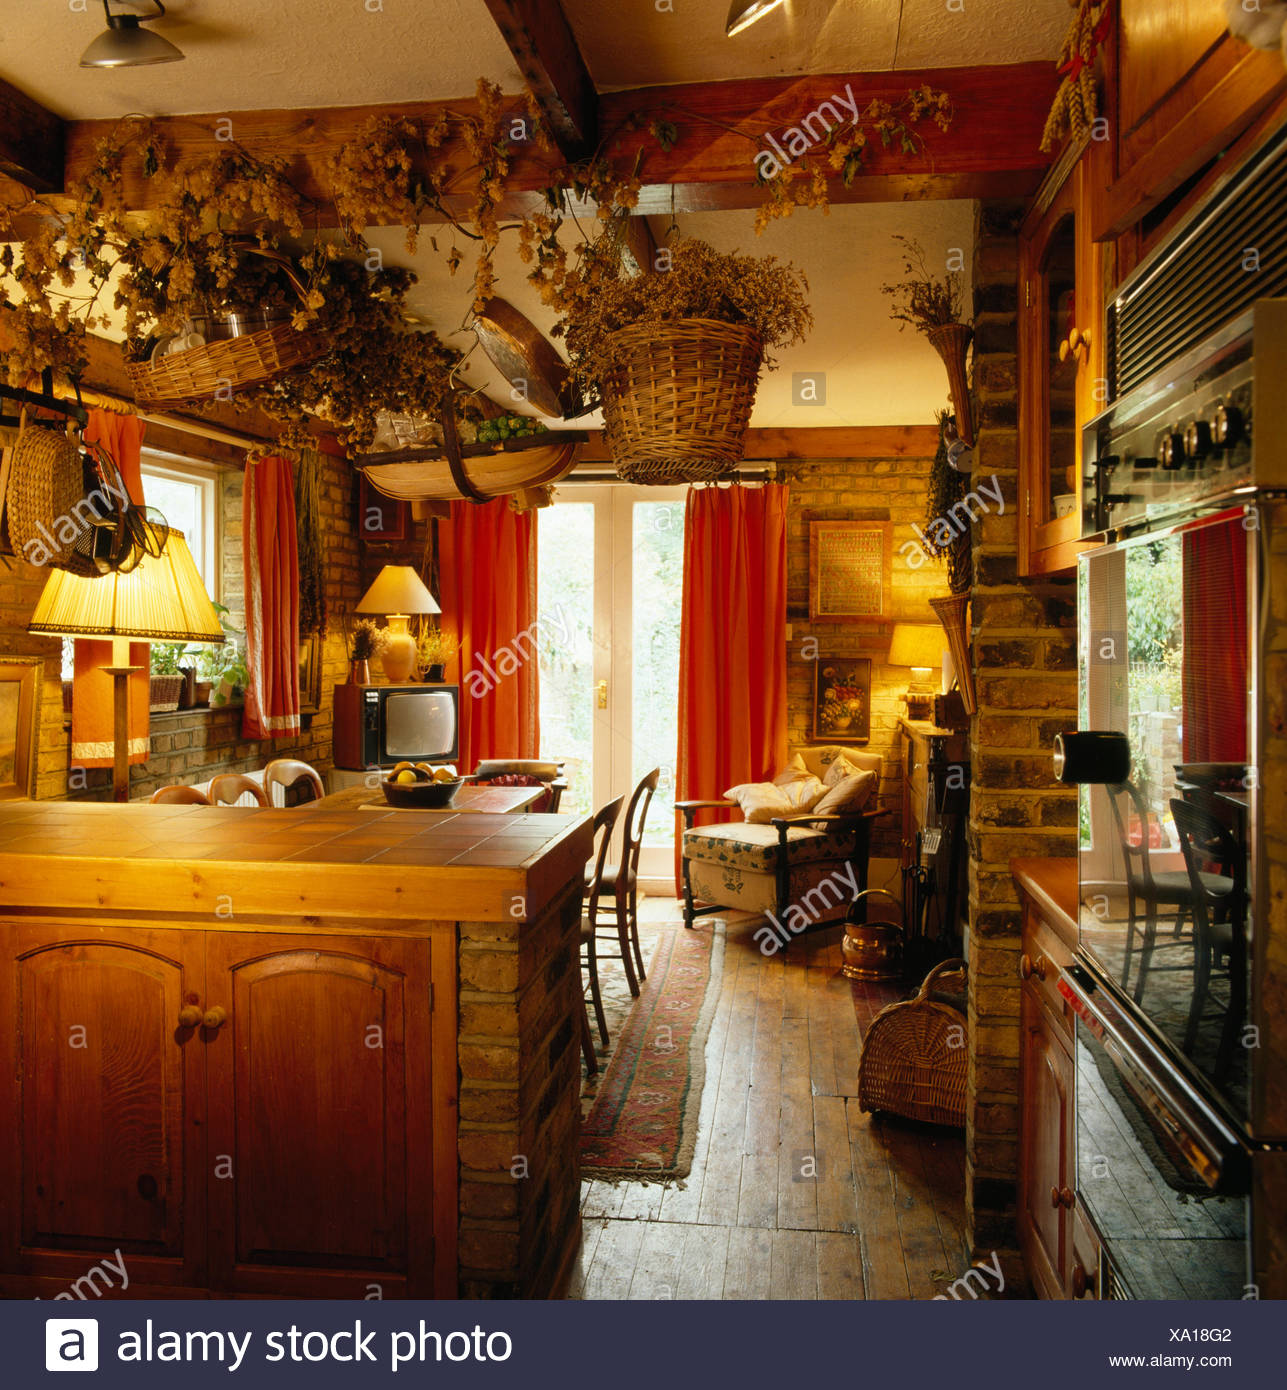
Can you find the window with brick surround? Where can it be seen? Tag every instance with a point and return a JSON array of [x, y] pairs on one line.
[[188, 495]]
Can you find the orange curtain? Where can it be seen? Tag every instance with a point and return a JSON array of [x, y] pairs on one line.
[[1215, 667], [487, 571], [732, 644], [272, 600], [93, 720]]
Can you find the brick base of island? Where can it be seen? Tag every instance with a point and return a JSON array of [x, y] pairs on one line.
[[304, 1053]]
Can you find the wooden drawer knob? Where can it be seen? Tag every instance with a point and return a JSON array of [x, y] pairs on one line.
[[1029, 967], [1082, 1283], [189, 1016], [215, 1018], [1062, 1197]]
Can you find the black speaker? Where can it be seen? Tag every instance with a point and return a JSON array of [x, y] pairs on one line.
[[1092, 755]]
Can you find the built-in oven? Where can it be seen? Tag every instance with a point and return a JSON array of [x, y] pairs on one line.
[[1162, 1175]]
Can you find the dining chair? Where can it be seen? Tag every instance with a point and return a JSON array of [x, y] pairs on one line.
[[290, 772], [1219, 918], [604, 822], [621, 881], [229, 787], [179, 796]]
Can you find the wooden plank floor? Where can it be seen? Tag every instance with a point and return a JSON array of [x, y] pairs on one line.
[[794, 1193]]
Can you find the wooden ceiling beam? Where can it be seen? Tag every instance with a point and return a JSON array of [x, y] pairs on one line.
[[537, 33], [841, 442], [31, 141], [989, 152]]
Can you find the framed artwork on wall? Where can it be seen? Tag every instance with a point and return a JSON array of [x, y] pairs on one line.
[[310, 674], [849, 571], [381, 518], [841, 699], [19, 723]]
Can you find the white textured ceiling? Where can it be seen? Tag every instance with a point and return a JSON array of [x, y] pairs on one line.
[[251, 54], [640, 45]]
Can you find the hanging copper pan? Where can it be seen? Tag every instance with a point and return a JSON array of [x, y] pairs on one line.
[[525, 358]]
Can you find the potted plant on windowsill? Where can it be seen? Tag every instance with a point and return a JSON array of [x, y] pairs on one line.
[[168, 676]]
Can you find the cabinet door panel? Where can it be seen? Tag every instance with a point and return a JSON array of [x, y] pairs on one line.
[[1047, 1087], [108, 1094], [317, 1080]]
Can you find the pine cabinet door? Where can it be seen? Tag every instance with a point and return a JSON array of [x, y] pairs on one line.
[[1045, 1184]]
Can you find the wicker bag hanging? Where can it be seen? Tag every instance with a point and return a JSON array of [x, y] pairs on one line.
[[46, 485], [677, 403]]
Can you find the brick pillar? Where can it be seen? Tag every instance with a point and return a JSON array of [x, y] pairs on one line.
[[1025, 669]]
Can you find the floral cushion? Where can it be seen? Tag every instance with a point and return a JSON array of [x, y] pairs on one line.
[[847, 795], [755, 847]]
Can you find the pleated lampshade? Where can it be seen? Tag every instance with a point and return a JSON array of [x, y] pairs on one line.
[[161, 600]]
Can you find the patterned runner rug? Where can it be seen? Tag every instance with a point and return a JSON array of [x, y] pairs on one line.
[[643, 1124]]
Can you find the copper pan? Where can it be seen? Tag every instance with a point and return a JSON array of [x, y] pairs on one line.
[[525, 358]]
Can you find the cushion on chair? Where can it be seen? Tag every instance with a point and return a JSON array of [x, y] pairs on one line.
[[794, 771], [819, 759], [754, 846], [761, 801], [848, 795]]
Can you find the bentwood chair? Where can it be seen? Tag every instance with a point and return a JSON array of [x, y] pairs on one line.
[[229, 787], [1219, 921], [621, 881], [1149, 889], [291, 772], [179, 796], [604, 822]]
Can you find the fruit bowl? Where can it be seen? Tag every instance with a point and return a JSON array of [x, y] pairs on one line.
[[425, 792]]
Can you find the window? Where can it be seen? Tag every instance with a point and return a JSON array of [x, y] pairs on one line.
[[187, 495]]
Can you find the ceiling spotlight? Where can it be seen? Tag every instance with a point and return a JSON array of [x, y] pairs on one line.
[[743, 13], [127, 45]]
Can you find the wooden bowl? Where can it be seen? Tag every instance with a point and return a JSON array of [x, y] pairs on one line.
[[412, 796]]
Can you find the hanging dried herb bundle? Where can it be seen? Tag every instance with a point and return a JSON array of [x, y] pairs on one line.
[[923, 299], [308, 537], [942, 537]]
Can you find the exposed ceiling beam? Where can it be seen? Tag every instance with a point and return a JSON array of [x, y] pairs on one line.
[[537, 33], [846, 442], [990, 151], [31, 141]]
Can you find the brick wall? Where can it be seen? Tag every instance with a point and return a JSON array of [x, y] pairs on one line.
[[880, 490], [1024, 651], [193, 746]]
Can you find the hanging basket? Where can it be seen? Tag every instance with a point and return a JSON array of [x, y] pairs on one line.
[[953, 613], [676, 406], [216, 370], [45, 489], [952, 341]]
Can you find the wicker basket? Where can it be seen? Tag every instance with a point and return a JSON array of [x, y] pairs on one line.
[[164, 693], [675, 409], [914, 1056], [46, 485], [225, 367]]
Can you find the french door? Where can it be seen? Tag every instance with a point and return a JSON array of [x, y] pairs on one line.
[[610, 566]]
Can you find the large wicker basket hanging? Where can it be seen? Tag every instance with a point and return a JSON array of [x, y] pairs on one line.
[[914, 1055], [46, 499], [225, 367], [676, 406]]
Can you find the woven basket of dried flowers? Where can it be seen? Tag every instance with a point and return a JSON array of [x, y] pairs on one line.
[[223, 368], [677, 401]]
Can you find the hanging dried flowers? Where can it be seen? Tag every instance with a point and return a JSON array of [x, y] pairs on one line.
[[1076, 103], [924, 300]]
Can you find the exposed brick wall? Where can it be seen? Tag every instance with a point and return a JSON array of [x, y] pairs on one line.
[[871, 490], [520, 1085], [194, 745], [1024, 652]]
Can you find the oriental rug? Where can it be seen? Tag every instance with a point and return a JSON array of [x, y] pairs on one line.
[[643, 1124]]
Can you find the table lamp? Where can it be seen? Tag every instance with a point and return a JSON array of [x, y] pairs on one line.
[[161, 600], [398, 592], [920, 646]]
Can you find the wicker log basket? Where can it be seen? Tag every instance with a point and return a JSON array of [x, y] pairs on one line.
[[914, 1055], [224, 367], [676, 407]]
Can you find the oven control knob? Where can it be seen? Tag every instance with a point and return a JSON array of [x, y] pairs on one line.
[[1197, 441], [1226, 428], [1170, 452]]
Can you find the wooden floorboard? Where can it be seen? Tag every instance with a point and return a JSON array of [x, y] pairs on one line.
[[794, 1193]]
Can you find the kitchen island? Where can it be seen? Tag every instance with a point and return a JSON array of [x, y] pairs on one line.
[[311, 1053]]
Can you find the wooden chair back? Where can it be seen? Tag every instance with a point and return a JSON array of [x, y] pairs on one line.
[[179, 796], [229, 787], [290, 772], [636, 816], [604, 821]]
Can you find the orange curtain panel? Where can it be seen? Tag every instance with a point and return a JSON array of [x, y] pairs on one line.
[[487, 571], [272, 600], [732, 643], [93, 730]]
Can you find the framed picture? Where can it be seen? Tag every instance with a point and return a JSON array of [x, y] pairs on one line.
[[841, 699], [19, 707], [310, 674], [381, 518], [849, 570]]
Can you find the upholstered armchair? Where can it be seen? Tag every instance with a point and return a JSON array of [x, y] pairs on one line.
[[803, 866]]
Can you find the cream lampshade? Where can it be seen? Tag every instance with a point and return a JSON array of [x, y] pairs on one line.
[[398, 592], [161, 600], [920, 646]]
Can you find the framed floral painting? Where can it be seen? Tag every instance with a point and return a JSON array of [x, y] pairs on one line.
[[842, 699]]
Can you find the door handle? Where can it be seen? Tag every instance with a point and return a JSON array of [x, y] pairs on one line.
[[214, 1018], [602, 688], [189, 1016]]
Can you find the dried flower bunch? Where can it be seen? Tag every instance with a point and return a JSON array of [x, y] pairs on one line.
[[945, 489], [1076, 103], [598, 299], [924, 300], [435, 647], [368, 639]]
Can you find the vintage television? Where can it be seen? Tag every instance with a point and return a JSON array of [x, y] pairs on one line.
[[378, 725]]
